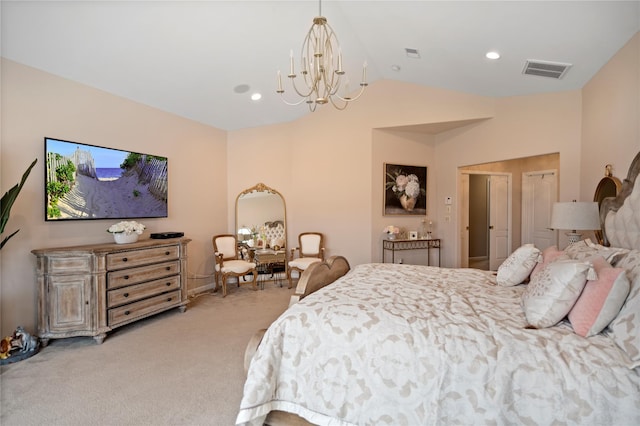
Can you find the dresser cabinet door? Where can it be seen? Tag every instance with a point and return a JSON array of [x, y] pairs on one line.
[[69, 299]]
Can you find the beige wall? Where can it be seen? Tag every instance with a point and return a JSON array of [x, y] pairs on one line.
[[611, 118], [37, 104], [399, 147], [523, 126], [327, 165]]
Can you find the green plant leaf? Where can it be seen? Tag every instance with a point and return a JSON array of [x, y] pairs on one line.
[[7, 202]]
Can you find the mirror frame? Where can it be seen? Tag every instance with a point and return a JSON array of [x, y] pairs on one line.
[[600, 194], [261, 187]]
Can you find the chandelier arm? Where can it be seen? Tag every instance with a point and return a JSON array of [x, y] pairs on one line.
[[301, 94], [350, 99], [338, 107], [291, 103]]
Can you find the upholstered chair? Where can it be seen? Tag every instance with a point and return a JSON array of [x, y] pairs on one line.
[[310, 249], [229, 263]]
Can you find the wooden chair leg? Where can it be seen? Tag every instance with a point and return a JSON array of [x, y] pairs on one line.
[[255, 279], [224, 285]]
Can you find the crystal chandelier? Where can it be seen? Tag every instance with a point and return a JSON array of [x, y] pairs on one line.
[[321, 69]]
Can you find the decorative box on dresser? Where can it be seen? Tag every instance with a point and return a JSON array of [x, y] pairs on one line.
[[89, 290]]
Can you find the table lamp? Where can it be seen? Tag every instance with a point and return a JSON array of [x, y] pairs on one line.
[[575, 216]]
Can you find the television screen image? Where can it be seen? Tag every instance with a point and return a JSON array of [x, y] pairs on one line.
[[90, 182]]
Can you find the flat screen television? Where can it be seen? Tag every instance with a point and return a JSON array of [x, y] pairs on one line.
[[91, 182]]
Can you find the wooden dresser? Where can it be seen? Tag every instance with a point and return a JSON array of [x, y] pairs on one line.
[[90, 290]]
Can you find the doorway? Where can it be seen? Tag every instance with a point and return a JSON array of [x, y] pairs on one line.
[[517, 168], [486, 233]]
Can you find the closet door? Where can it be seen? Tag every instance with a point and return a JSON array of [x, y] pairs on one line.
[[539, 192]]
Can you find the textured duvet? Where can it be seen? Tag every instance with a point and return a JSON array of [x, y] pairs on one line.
[[416, 345]]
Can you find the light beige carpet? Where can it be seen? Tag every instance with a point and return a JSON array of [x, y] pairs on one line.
[[171, 369]]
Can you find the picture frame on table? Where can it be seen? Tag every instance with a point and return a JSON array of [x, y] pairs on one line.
[[413, 235]]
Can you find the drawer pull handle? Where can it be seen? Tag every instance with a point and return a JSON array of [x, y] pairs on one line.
[[167, 253], [126, 277], [168, 284], [168, 268], [127, 312], [169, 299], [124, 259], [126, 295]]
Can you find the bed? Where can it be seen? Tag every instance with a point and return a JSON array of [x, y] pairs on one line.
[[417, 345]]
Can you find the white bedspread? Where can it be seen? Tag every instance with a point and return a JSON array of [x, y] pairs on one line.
[[416, 345]]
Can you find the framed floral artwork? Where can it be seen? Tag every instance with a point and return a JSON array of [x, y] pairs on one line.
[[405, 190]]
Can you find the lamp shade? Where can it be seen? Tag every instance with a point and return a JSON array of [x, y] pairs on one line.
[[575, 216]]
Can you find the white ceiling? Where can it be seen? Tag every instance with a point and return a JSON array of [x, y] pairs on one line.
[[186, 57]]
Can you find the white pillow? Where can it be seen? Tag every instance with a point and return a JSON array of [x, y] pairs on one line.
[[553, 291], [586, 248], [625, 328], [518, 266]]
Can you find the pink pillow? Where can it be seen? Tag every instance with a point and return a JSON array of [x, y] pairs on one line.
[[548, 255], [601, 299]]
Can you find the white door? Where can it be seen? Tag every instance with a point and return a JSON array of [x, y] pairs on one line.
[[464, 220], [539, 192], [499, 219]]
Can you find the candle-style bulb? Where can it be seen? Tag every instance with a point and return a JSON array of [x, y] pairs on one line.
[[291, 62]]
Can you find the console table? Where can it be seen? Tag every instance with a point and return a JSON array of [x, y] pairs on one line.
[[270, 262], [400, 245], [90, 290]]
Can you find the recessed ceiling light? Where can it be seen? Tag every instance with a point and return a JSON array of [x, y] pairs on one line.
[[256, 97], [492, 55], [395, 67], [241, 88]]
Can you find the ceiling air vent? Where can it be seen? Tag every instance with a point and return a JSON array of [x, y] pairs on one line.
[[412, 53], [555, 70]]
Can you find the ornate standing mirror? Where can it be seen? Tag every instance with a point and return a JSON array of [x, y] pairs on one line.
[[261, 218], [261, 227], [609, 186]]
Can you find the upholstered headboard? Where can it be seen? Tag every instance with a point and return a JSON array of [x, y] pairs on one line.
[[622, 213], [274, 231]]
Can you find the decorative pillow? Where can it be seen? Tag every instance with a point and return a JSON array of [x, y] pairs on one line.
[[517, 267], [601, 299], [586, 248], [625, 328], [630, 263], [553, 291], [548, 255]]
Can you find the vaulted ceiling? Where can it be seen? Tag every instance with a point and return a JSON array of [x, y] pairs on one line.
[[192, 58]]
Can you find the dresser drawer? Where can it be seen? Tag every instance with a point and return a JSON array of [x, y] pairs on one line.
[[67, 265], [142, 308], [127, 259], [125, 277], [136, 292]]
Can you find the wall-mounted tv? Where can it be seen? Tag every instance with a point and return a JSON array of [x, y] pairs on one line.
[[91, 182]]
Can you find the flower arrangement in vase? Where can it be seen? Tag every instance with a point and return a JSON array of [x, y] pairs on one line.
[[391, 231], [406, 188], [126, 231]]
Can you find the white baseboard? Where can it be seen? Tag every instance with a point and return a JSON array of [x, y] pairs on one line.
[[201, 289], [478, 258]]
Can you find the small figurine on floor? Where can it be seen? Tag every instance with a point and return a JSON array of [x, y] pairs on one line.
[[20, 345]]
